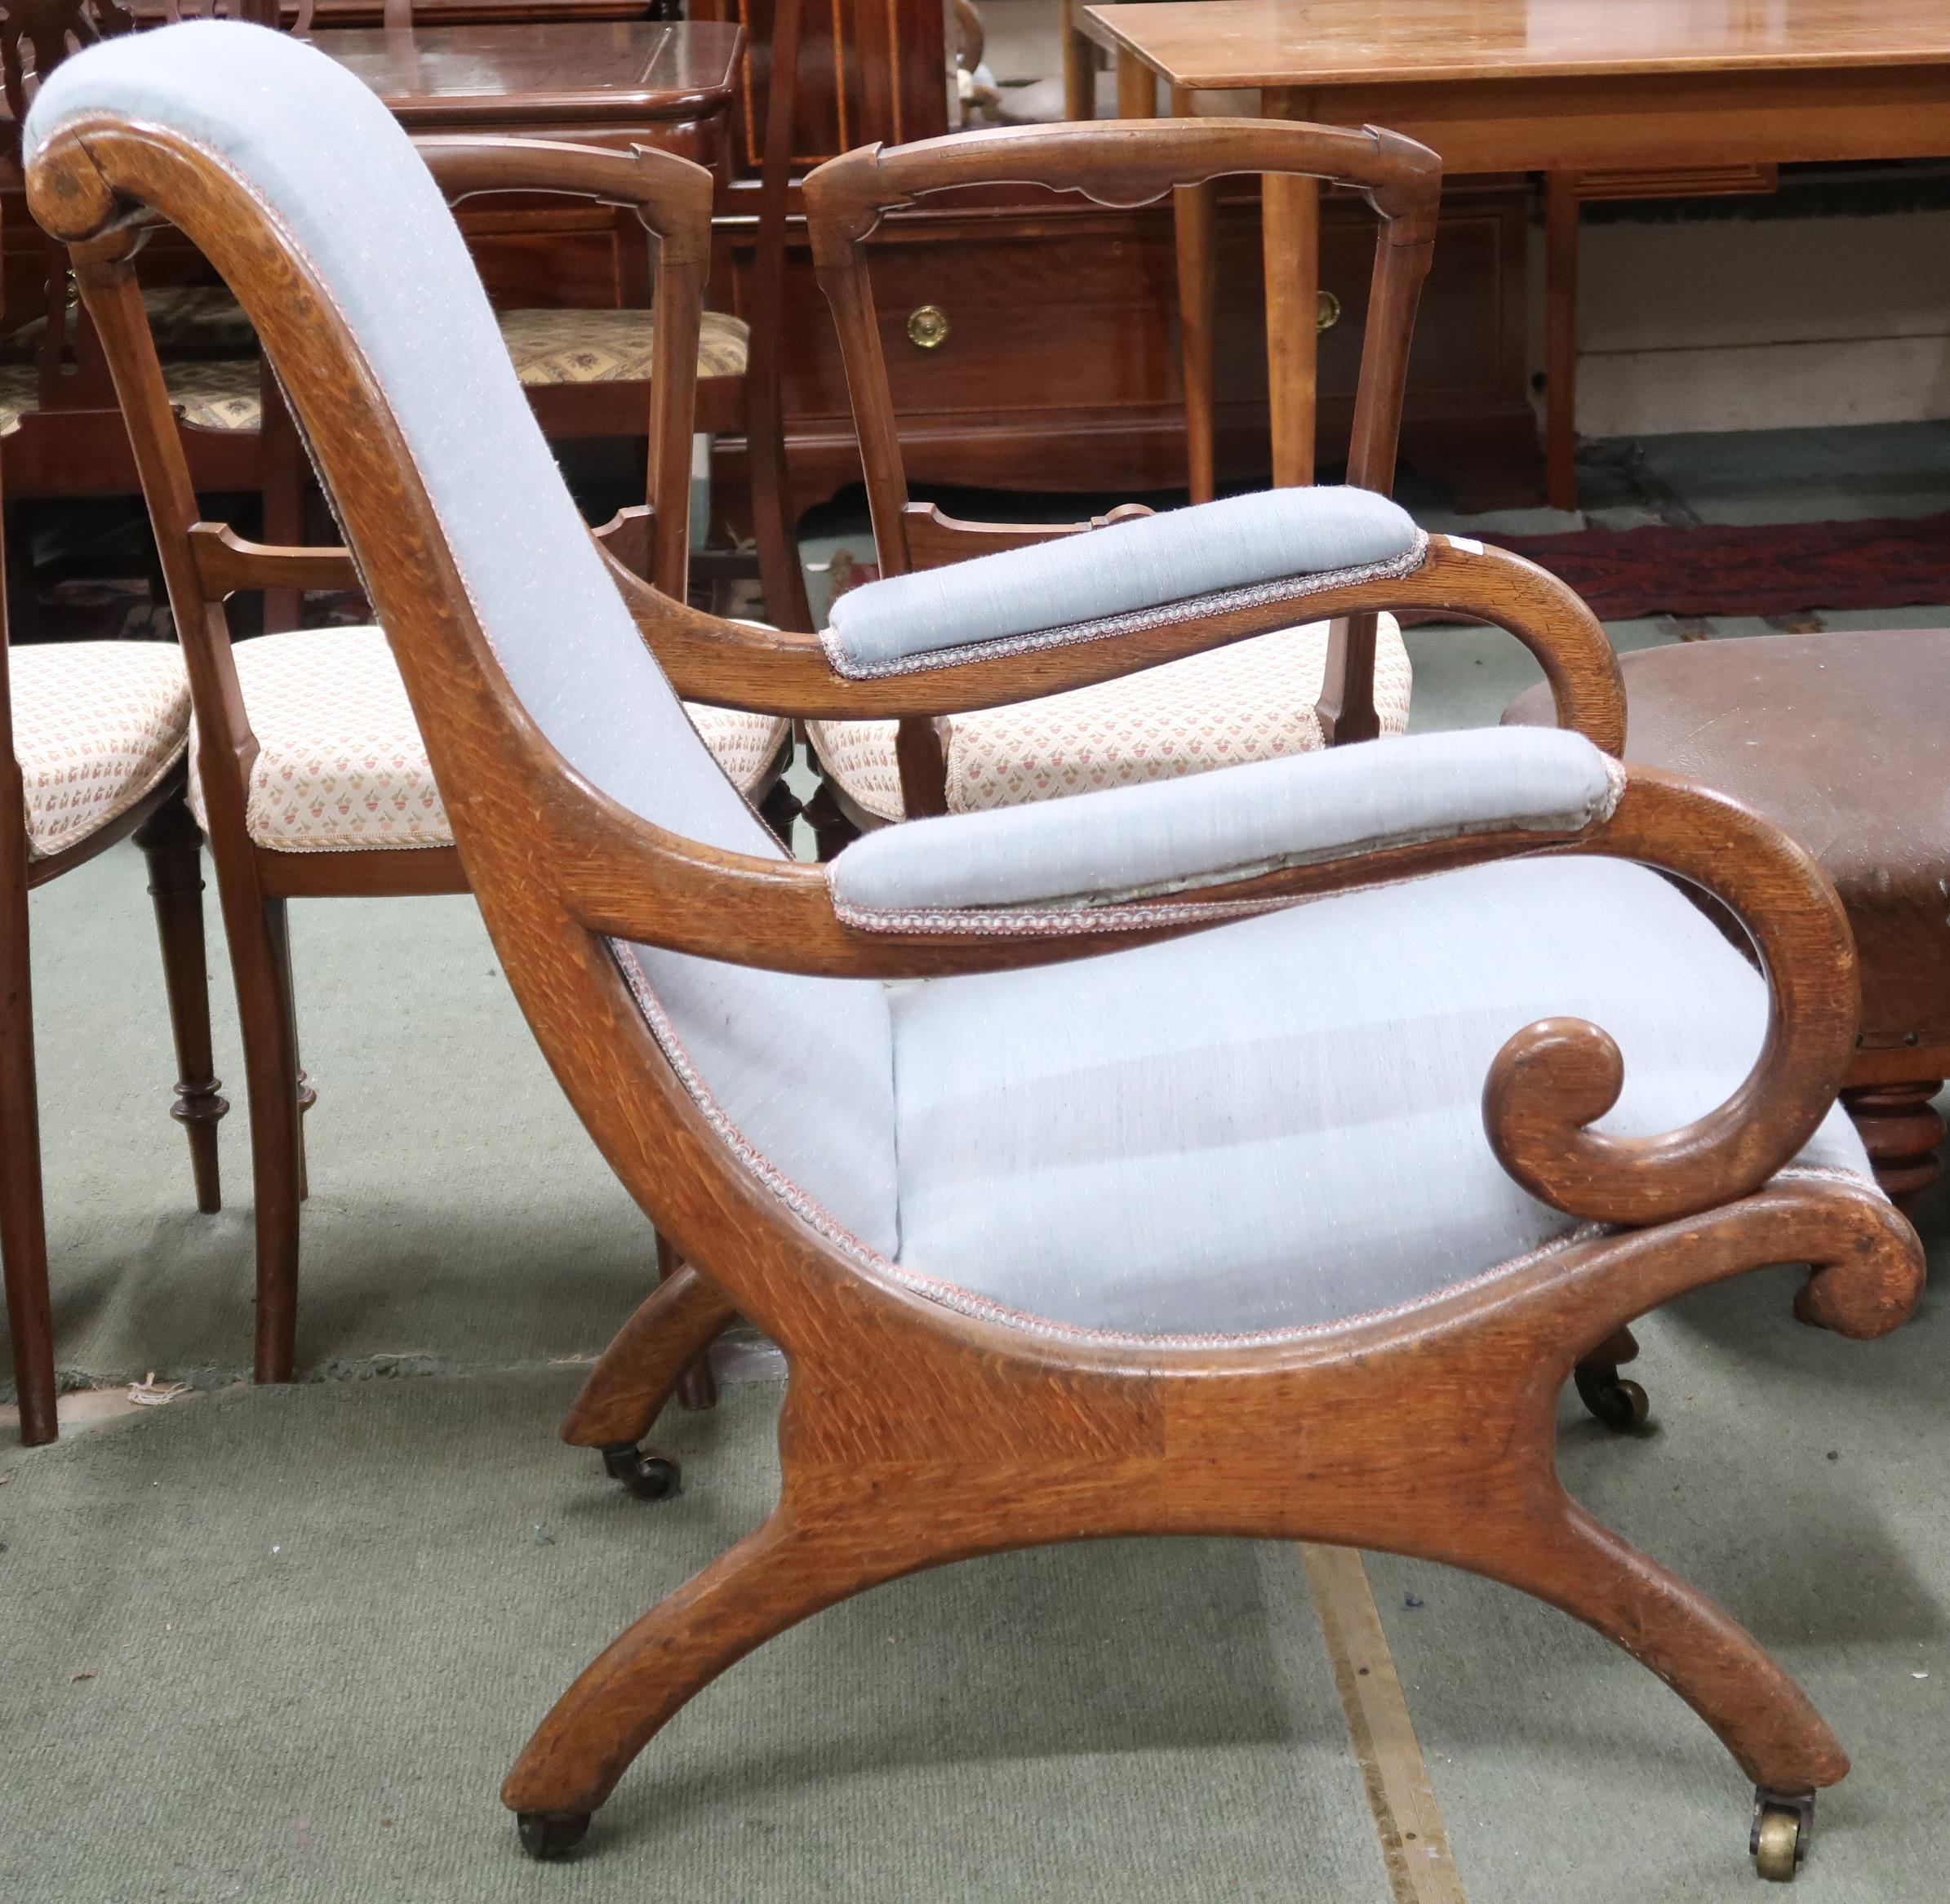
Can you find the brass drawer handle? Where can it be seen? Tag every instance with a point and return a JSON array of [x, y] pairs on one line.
[[1326, 312], [927, 327]]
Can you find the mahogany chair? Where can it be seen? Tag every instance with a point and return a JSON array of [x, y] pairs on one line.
[[307, 772], [91, 741], [1288, 691], [1139, 1244]]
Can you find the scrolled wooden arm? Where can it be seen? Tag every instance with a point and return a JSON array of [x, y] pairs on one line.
[[730, 664], [1555, 1078]]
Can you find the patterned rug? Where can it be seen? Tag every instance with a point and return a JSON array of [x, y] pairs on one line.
[[1770, 569]]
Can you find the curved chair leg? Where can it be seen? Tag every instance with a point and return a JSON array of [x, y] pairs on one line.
[[22, 1211], [256, 930], [777, 1575], [174, 848], [1757, 1711], [641, 1371], [697, 1387]]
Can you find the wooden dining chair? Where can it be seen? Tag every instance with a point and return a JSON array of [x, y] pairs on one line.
[[1101, 1224], [1289, 691], [91, 741], [307, 771]]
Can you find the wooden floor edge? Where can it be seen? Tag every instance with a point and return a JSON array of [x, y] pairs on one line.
[[1415, 1841]]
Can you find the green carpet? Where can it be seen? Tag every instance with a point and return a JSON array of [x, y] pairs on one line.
[[321, 1621]]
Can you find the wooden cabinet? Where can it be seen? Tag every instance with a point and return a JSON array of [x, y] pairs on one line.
[[1056, 365]]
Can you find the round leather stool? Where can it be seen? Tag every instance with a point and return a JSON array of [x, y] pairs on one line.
[[1844, 740]]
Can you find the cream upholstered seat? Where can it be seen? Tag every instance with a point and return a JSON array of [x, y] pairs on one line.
[[341, 766], [1252, 701], [96, 725], [216, 393], [612, 347]]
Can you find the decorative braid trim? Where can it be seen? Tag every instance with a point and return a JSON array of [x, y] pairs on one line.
[[1131, 621], [1122, 911]]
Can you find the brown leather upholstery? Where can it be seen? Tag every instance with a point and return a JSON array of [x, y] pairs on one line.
[[1844, 740]]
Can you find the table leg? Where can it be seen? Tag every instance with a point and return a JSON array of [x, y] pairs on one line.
[[1289, 224], [1137, 89], [1079, 69], [1560, 339], [1195, 216]]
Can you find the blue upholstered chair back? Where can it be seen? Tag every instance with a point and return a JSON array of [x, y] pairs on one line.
[[802, 1067]]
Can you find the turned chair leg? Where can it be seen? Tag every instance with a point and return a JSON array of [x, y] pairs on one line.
[[1902, 1131], [22, 1211], [1622, 1406], [256, 927], [174, 848], [832, 830]]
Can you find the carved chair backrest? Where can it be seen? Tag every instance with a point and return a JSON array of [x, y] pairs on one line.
[[477, 562], [1125, 163]]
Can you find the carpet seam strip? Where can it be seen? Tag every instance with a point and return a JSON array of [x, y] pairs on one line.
[[1415, 1841]]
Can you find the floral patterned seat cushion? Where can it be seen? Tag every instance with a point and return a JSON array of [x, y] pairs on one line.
[[341, 766], [611, 347], [96, 725], [215, 393], [1250, 701]]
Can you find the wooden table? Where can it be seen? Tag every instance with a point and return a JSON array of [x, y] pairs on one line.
[[607, 81], [1676, 95]]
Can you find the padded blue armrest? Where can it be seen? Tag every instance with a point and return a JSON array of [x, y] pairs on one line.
[[1094, 850], [1292, 541]]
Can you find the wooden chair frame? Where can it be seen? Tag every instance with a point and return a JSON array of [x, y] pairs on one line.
[[1127, 164], [913, 1434], [204, 563]]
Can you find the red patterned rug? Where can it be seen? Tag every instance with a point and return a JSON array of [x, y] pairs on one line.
[[1773, 569]]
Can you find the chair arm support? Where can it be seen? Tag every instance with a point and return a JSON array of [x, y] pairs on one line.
[[1554, 1079], [1031, 867], [728, 665]]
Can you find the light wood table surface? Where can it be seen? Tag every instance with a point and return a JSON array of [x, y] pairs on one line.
[[1605, 98]]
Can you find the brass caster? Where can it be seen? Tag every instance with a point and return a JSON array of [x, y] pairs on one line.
[[1617, 1402], [650, 1477], [1783, 1824], [546, 1834]]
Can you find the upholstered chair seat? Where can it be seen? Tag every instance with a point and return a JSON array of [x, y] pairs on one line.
[[96, 726], [609, 346], [213, 393], [341, 766], [1251, 700]]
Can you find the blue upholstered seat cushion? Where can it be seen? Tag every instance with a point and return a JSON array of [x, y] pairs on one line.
[[1177, 555], [1279, 1122]]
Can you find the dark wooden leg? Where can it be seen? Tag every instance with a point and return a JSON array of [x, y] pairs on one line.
[[697, 1387], [23, 1212], [1902, 1130], [1621, 1406], [779, 809], [174, 848], [832, 830], [307, 1097], [1560, 339], [257, 937]]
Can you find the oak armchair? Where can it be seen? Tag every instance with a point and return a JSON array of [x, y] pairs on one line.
[[1097, 1231], [1289, 689]]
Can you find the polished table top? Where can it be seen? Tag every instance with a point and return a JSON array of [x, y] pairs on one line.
[[1220, 43], [567, 71]]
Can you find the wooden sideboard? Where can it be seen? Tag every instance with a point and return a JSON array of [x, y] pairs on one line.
[[1056, 366]]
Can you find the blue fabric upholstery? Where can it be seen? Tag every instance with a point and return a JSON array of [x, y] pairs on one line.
[[1279, 1121], [801, 1066], [1143, 563], [1172, 834]]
